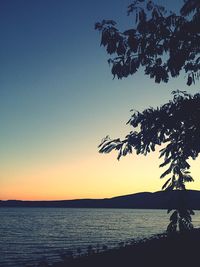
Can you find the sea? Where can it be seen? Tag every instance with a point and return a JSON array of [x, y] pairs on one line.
[[29, 236]]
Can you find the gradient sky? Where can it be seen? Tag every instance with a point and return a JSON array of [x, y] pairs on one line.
[[58, 100]]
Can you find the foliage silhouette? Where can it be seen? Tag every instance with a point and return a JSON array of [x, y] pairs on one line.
[[162, 44]]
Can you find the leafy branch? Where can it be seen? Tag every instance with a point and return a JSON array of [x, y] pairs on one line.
[[162, 42], [176, 126]]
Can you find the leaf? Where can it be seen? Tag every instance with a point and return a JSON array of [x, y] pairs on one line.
[[120, 154], [105, 139], [167, 161], [165, 151], [165, 184], [166, 172], [121, 48], [174, 217], [149, 6], [107, 149], [111, 46], [188, 178], [192, 212], [171, 227], [189, 80], [169, 210], [153, 147], [170, 187]]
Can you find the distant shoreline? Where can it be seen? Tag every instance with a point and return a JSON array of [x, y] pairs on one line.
[[146, 200]]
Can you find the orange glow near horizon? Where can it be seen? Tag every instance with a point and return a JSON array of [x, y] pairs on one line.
[[88, 179]]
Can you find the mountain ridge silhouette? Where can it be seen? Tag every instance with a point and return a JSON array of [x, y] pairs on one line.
[[143, 200]]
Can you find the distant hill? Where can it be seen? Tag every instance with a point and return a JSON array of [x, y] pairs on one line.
[[145, 200]]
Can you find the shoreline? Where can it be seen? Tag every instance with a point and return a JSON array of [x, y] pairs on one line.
[[178, 249]]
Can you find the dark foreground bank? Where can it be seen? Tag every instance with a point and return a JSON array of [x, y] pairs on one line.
[[161, 250]]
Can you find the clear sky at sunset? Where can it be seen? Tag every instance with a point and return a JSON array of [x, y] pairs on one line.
[[58, 100]]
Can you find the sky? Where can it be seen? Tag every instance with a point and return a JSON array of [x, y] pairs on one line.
[[58, 100]]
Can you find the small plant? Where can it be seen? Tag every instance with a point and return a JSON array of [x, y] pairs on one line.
[[97, 248], [121, 244], [79, 251], [90, 250], [67, 255], [180, 219], [105, 247]]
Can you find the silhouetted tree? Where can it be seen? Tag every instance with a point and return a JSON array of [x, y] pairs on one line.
[[162, 44]]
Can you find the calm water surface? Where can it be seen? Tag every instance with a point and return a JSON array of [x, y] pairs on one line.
[[28, 235]]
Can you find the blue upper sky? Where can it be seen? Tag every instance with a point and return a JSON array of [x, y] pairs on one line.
[[57, 95]]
